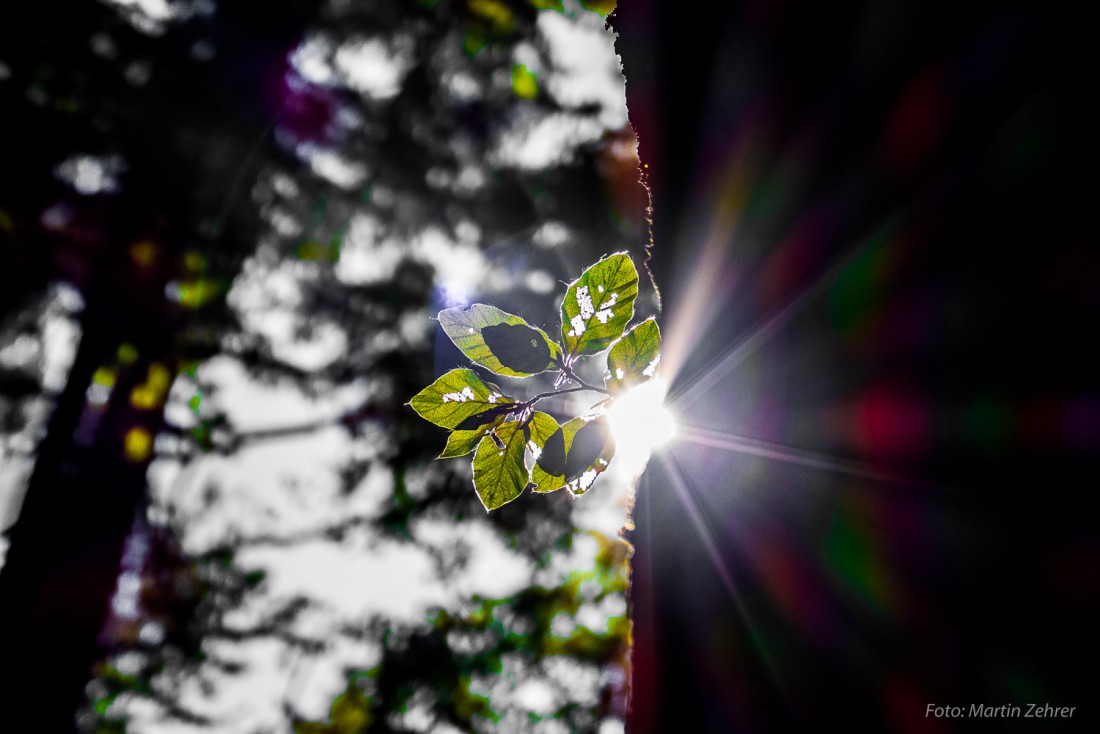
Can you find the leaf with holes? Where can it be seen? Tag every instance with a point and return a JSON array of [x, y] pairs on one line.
[[459, 399], [574, 455], [634, 358], [598, 305], [499, 473], [499, 341], [547, 447]]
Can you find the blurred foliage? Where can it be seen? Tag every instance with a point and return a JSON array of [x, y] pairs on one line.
[[228, 182], [439, 660]]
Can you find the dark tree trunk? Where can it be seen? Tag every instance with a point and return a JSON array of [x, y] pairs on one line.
[[193, 139], [83, 496], [960, 132]]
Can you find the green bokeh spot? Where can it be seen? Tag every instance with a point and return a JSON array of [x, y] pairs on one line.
[[524, 82]]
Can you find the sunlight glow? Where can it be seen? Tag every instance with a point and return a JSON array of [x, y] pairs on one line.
[[640, 422]]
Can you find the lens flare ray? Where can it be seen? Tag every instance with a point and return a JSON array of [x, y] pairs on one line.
[[706, 533], [800, 457], [743, 348]]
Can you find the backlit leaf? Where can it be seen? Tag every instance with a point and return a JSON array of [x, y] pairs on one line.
[[458, 398], [460, 443], [598, 305], [634, 358], [574, 456], [499, 473], [499, 341], [547, 444]]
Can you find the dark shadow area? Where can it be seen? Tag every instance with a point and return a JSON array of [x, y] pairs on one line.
[[876, 243]]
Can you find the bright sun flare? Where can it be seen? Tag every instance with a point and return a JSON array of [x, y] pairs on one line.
[[640, 422]]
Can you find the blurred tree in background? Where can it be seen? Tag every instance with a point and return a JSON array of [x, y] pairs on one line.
[[225, 227]]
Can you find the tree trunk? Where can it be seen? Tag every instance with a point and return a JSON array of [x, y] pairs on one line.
[[62, 567]]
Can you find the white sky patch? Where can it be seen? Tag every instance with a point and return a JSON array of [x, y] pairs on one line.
[[268, 297], [493, 569], [15, 472], [317, 679], [552, 234], [272, 487], [61, 336], [459, 266], [540, 281], [415, 327], [365, 256], [332, 166], [536, 696], [375, 67], [539, 140], [149, 16], [612, 726], [45, 354], [586, 68], [350, 579], [252, 405], [88, 174], [470, 180], [312, 60], [462, 86]]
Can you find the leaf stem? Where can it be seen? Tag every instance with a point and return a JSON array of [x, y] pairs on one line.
[[567, 370], [551, 393], [585, 386]]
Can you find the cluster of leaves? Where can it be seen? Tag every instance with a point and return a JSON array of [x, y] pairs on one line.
[[516, 446]]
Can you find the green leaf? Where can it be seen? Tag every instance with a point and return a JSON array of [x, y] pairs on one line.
[[458, 399], [499, 341], [460, 443], [634, 358], [499, 473], [598, 306], [548, 451], [574, 455], [539, 428]]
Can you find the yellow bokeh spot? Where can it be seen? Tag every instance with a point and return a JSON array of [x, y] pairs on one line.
[[603, 7], [138, 444], [498, 14], [151, 394], [144, 253], [104, 376], [127, 353], [143, 397], [195, 293], [350, 712], [195, 262], [524, 82], [159, 377], [319, 251]]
